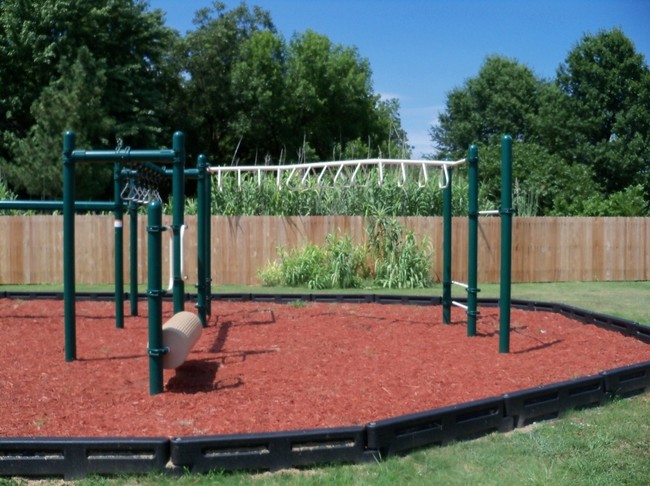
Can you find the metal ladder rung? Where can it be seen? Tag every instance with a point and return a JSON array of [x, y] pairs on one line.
[[453, 302]]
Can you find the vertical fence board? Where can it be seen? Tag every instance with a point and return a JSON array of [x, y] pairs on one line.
[[544, 249]]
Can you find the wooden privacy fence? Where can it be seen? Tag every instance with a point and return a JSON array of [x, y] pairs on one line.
[[544, 249]]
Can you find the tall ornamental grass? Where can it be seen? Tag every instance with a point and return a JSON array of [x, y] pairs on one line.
[[396, 196]]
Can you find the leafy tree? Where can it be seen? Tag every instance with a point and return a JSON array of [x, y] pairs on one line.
[[211, 53], [590, 127], [503, 98], [259, 79], [331, 92], [257, 98], [40, 40], [72, 101], [543, 182], [606, 84]]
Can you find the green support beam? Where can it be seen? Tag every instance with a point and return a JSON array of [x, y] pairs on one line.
[[118, 247], [70, 331], [506, 244], [94, 206], [472, 244], [446, 251], [155, 293], [124, 156], [133, 257], [178, 192], [203, 220]]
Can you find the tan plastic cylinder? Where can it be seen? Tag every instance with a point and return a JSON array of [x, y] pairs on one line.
[[180, 334]]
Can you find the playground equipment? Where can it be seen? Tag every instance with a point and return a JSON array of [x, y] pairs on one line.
[[471, 286], [120, 158], [169, 344], [179, 335], [293, 176], [348, 173]]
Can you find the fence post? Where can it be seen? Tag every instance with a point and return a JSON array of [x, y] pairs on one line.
[[472, 243], [506, 244], [69, 141], [446, 251]]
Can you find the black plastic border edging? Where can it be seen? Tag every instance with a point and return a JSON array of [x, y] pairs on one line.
[[78, 457], [271, 451], [74, 458]]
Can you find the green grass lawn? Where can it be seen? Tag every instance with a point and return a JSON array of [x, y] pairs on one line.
[[609, 445], [630, 300]]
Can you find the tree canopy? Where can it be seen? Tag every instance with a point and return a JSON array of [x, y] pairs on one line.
[[114, 73], [99, 68], [589, 126], [238, 89]]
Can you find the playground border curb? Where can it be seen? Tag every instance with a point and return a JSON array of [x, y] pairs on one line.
[[75, 458]]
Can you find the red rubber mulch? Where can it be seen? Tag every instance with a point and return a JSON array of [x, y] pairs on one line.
[[261, 367]]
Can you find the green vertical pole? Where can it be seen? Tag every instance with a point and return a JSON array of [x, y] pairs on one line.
[[201, 165], [154, 297], [119, 245], [446, 250], [133, 257], [69, 141], [208, 238], [506, 244], [178, 192], [472, 247]]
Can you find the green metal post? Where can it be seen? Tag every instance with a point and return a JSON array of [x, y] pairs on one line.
[[178, 192], [472, 253], [446, 251], [133, 257], [70, 331], [119, 246], [154, 297], [506, 244], [208, 238], [202, 175]]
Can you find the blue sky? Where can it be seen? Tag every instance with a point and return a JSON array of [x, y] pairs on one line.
[[419, 50]]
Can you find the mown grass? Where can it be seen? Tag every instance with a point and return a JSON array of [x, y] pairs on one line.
[[603, 446], [629, 300]]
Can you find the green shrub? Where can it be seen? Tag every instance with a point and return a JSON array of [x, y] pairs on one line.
[[304, 267], [394, 254], [271, 275]]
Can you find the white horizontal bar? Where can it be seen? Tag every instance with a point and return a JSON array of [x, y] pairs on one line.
[[459, 304], [460, 284], [489, 211], [340, 163]]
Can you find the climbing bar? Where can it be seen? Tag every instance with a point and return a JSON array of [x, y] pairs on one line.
[[123, 155], [344, 172], [458, 304]]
